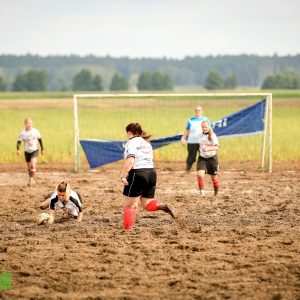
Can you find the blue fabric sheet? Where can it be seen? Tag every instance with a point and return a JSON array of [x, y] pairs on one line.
[[249, 120]]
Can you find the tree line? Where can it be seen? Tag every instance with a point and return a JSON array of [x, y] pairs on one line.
[[249, 70], [35, 80]]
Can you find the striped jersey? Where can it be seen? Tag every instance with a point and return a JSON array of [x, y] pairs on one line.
[[73, 205]]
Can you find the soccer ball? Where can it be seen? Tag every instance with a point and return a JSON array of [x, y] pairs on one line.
[[42, 217]]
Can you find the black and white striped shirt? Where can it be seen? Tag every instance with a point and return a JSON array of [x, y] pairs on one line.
[[73, 205]]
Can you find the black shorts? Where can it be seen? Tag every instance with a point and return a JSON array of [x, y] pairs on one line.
[[30, 155], [141, 182], [210, 165]]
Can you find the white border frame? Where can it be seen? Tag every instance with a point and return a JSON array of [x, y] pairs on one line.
[[267, 120]]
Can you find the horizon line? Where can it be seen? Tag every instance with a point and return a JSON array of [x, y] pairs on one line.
[[163, 57]]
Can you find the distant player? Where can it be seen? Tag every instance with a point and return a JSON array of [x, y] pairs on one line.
[[139, 176], [208, 160], [30, 136], [63, 198], [191, 136]]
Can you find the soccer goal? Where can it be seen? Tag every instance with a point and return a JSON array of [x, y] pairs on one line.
[[104, 116]]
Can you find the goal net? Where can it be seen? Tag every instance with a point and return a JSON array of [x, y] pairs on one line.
[[102, 118]]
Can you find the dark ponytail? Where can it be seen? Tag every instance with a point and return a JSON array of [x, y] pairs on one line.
[[136, 130]]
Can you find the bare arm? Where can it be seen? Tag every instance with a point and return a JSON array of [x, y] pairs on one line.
[[79, 218], [52, 214], [184, 136], [126, 168]]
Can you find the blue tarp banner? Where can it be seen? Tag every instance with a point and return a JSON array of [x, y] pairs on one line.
[[249, 120]]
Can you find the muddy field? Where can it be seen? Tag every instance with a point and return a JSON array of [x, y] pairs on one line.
[[244, 244]]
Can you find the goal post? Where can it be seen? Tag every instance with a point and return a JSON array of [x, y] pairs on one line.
[[266, 149]]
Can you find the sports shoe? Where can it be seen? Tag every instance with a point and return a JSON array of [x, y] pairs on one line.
[[202, 192], [216, 192], [166, 209], [31, 181]]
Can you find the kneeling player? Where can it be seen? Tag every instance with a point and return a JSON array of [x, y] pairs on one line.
[[63, 198], [139, 176], [208, 160]]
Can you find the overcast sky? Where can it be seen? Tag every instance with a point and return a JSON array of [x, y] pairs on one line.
[[150, 28]]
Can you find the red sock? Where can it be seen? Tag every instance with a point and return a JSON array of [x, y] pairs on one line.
[[154, 205], [201, 182], [129, 217], [215, 182]]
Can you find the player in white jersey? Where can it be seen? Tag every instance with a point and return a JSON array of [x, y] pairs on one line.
[[139, 176], [30, 136], [191, 136], [208, 160], [64, 198]]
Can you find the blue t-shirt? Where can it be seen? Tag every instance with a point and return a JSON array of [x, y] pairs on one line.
[[195, 129]]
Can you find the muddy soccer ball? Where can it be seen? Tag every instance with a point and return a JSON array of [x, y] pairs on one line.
[[42, 217]]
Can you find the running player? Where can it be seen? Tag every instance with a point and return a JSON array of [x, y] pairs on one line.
[[208, 160], [139, 176], [64, 198], [30, 136], [191, 136]]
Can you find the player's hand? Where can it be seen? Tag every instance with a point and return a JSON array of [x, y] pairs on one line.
[[43, 152], [183, 142], [124, 180], [18, 152]]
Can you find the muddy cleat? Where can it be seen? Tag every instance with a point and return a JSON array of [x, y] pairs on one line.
[[202, 193], [167, 210]]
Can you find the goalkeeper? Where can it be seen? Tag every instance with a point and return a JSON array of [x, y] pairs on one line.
[[63, 198], [191, 136]]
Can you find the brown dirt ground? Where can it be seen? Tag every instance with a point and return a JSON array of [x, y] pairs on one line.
[[244, 244]]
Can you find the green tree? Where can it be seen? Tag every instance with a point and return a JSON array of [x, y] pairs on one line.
[[168, 84], [156, 82], [230, 82], [118, 83], [161, 82], [98, 86], [84, 81], [270, 82], [214, 81], [250, 70], [145, 82], [2, 84], [33, 80], [284, 80]]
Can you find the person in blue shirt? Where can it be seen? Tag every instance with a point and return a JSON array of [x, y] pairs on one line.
[[191, 136]]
